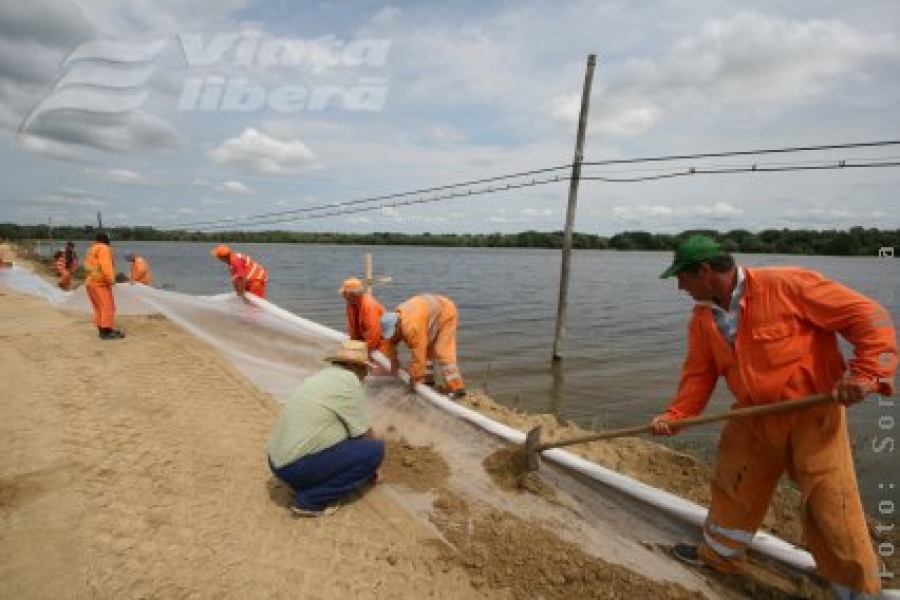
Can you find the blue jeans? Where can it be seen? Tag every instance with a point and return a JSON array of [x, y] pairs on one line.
[[322, 478]]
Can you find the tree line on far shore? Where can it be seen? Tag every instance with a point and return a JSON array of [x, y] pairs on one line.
[[856, 241]]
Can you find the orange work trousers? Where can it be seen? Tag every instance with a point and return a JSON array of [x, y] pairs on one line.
[[443, 352], [812, 445], [101, 297]]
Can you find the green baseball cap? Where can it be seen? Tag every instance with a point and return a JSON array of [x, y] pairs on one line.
[[690, 251]]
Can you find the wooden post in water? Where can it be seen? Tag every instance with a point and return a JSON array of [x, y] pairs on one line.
[[573, 200], [369, 282]]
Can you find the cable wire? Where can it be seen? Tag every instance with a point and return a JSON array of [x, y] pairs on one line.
[[353, 206]]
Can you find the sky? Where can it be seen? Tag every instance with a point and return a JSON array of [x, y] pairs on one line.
[[364, 115]]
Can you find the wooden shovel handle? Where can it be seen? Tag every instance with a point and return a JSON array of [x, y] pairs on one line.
[[750, 411]]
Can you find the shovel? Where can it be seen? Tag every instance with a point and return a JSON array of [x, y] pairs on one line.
[[533, 445]]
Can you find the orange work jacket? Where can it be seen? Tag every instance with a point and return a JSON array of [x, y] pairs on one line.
[[98, 266], [242, 265], [787, 342], [140, 271], [364, 321]]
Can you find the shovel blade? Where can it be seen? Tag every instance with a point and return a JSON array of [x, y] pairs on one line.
[[532, 456]]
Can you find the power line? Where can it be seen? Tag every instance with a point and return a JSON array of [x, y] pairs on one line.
[[336, 210], [354, 206], [409, 202], [787, 150], [843, 164], [379, 198]]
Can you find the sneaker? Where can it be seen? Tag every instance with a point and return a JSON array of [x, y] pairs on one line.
[[113, 334], [688, 553], [457, 394], [312, 513]]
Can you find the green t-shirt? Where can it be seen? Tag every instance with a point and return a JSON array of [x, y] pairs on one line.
[[327, 408]]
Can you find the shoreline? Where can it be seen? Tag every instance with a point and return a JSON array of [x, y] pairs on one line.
[[630, 455]]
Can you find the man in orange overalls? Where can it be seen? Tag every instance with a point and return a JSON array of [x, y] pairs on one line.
[[140, 269], [772, 332], [99, 277], [247, 275], [363, 314], [427, 324]]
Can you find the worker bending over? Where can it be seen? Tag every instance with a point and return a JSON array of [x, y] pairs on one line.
[[427, 325], [247, 275], [363, 314], [140, 269]]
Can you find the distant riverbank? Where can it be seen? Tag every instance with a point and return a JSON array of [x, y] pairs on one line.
[[856, 241]]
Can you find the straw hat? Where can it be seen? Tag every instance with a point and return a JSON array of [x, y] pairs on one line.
[[351, 286], [351, 351]]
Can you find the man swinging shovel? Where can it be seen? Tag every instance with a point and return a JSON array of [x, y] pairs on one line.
[[772, 333]]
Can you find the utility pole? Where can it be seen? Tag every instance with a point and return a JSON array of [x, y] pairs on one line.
[[570, 211], [99, 221]]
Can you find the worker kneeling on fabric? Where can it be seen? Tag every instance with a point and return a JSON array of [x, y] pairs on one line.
[[322, 445]]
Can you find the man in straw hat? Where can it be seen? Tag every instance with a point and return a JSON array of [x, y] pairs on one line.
[[363, 314], [322, 444], [772, 333]]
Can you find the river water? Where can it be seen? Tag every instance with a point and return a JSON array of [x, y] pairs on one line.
[[623, 345]]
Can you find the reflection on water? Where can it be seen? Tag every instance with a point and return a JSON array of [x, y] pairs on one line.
[[624, 340]]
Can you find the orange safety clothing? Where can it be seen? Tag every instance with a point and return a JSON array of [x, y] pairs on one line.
[[244, 268], [98, 265], [99, 276], [104, 304], [786, 347], [428, 327], [140, 271], [364, 321], [65, 275]]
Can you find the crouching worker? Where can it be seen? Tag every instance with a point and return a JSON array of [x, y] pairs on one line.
[[322, 445]]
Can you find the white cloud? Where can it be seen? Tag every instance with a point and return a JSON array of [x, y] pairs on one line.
[[122, 176], [256, 152], [751, 59], [712, 211], [235, 187]]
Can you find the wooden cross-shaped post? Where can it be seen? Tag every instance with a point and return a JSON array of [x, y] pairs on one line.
[[370, 280]]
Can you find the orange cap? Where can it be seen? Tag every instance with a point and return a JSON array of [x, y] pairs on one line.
[[220, 251], [352, 286]]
